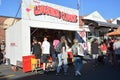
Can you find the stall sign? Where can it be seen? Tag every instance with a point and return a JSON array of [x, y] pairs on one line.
[[46, 10], [36, 10]]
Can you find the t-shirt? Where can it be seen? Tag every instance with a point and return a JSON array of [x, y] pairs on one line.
[[36, 49], [46, 47], [117, 47], [104, 47], [55, 42], [94, 48]]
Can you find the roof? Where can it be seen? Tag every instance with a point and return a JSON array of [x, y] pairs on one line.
[[114, 33], [99, 23], [5, 22]]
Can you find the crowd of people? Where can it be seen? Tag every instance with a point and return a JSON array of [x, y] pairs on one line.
[[102, 52], [106, 51], [58, 50]]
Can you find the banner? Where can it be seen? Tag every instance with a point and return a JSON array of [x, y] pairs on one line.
[[81, 36]]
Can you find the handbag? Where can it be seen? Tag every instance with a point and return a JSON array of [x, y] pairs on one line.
[[80, 50]]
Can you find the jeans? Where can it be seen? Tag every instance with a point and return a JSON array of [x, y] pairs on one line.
[[60, 62], [78, 63], [53, 57]]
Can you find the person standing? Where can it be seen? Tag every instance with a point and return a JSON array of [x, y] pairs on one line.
[[2, 48], [36, 50], [76, 57], [111, 52], [61, 60], [116, 47], [95, 50], [45, 52], [104, 48], [65, 56]]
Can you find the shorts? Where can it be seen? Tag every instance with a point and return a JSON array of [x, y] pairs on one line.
[[45, 58], [37, 56]]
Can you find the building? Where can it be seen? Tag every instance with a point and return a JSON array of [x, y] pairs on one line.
[[98, 25], [6, 22]]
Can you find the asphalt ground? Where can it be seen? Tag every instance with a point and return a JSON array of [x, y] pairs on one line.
[[89, 72]]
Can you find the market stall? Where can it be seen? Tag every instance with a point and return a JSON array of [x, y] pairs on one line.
[[37, 15]]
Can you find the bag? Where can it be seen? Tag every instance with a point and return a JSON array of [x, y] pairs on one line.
[[59, 47], [77, 50], [80, 50]]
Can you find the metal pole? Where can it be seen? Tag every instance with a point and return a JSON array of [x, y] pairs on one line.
[[78, 6]]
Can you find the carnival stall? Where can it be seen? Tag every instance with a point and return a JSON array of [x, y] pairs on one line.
[[38, 15]]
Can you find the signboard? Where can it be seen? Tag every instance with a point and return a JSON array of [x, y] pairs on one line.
[[36, 10]]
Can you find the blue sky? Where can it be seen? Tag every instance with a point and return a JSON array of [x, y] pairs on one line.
[[107, 8]]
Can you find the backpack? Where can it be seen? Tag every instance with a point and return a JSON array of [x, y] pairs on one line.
[[59, 47]]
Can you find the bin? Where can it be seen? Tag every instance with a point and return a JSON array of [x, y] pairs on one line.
[[26, 63]]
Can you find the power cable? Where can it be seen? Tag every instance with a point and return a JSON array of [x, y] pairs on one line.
[[17, 13]]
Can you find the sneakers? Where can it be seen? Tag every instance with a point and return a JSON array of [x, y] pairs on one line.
[[77, 73]]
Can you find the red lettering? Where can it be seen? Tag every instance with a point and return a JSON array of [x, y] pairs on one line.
[[46, 10], [35, 10], [74, 18], [68, 17], [52, 12], [63, 15]]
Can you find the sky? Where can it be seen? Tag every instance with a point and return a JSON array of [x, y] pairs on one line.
[[108, 9]]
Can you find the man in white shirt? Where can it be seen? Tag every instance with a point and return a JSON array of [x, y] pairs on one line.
[[45, 52]]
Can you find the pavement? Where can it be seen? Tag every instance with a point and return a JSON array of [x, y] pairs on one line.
[[6, 73], [89, 72]]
